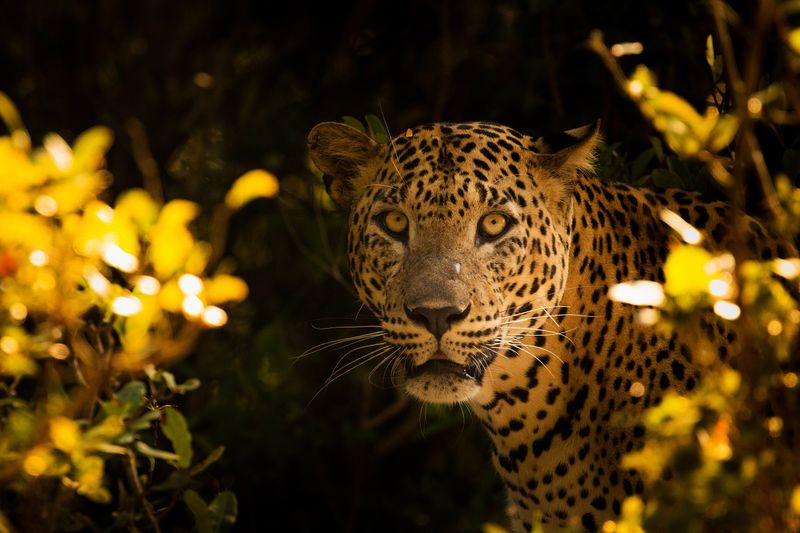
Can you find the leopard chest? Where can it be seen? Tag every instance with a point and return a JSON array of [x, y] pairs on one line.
[[554, 435]]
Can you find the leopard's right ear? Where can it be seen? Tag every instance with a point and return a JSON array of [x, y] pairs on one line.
[[340, 151]]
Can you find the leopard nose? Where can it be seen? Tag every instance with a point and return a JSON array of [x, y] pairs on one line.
[[437, 320]]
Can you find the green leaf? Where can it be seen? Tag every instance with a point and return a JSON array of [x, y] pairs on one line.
[[180, 388], [639, 164], [177, 479], [685, 170], [223, 510], [662, 177], [353, 122], [131, 396], [723, 133], [172, 384], [177, 431], [188, 385], [212, 458], [200, 512], [144, 421], [149, 451], [658, 148], [376, 129]]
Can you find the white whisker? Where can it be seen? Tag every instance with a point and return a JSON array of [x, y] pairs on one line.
[[338, 344], [392, 353], [325, 328], [358, 361]]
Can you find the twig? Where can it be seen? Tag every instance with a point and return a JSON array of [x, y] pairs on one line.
[[596, 44], [133, 475], [748, 145], [220, 222], [728, 56], [144, 158], [405, 428], [391, 410]]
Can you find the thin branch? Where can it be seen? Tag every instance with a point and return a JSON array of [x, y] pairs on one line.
[[748, 145], [390, 411], [728, 56], [595, 44], [133, 476], [144, 159], [220, 222]]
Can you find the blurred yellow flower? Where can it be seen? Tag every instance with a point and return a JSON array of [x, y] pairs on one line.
[[225, 288], [64, 433], [686, 274], [171, 243], [254, 184], [90, 478], [30, 231], [794, 504], [17, 364], [37, 461], [139, 207], [171, 297], [90, 147]]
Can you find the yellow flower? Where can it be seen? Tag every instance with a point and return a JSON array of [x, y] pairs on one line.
[[138, 206], [171, 243], [795, 500], [65, 433], [225, 288], [251, 185], [37, 461], [17, 364], [171, 297], [90, 478], [687, 275]]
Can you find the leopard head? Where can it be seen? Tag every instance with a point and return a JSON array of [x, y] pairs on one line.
[[458, 241]]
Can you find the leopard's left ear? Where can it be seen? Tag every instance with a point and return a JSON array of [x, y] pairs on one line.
[[555, 161], [571, 150]]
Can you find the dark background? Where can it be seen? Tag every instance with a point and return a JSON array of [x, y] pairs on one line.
[[224, 87]]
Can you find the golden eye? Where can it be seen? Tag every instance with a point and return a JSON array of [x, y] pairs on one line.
[[395, 222], [493, 225]]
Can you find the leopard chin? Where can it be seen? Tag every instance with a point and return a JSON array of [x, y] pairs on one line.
[[442, 381]]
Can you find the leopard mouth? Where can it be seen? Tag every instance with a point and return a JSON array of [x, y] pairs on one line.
[[439, 365]]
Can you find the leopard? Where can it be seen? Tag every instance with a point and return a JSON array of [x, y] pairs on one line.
[[488, 256]]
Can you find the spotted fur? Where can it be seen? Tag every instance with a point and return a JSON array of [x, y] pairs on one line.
[[520, 327]]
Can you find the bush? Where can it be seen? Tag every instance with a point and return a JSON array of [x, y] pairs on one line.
[[95, 301], [723, 458]]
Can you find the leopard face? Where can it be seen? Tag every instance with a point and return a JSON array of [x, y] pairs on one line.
[[458, 242]]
